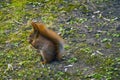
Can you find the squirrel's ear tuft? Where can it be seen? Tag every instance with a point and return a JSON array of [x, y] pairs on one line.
[[34, 26]]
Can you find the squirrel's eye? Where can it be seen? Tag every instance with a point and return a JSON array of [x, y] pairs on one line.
[[30, 35]]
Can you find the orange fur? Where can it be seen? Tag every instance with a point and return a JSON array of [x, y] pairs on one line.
[[48, 42]]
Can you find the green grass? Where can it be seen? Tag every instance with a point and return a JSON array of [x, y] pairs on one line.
[[92, 44]]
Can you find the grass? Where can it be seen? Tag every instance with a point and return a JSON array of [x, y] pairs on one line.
[[92, 40]]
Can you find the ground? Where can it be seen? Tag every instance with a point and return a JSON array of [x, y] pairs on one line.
[[90, 28]]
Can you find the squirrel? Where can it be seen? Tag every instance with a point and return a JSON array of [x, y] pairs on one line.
[[47, 42]]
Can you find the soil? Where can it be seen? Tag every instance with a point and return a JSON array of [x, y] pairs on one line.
[[91, 32]]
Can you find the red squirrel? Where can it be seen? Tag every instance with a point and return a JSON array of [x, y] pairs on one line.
[[47, 42]]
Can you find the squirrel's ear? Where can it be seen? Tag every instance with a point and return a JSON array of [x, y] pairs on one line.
[[34, 26]]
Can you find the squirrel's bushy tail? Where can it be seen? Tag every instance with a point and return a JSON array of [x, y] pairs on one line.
[[50, 35]]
